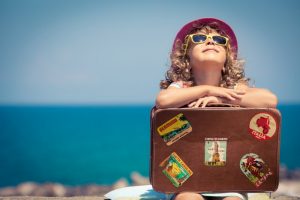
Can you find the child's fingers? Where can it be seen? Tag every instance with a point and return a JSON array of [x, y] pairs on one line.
[[233, 93], [198, 102], [209, 100], [205, 102], [192, 104], [236, 95], [228, 96]]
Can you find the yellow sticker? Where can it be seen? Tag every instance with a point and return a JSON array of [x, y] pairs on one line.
[[174, 129]]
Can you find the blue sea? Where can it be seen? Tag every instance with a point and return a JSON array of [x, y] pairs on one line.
[[77, 145]]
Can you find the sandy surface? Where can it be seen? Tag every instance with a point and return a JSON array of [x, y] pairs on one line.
[[288, 189]]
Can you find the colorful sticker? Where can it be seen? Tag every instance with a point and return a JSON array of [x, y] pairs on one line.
[[262, 126], [176, 170], [215, 151], [255, 169], [174, 129]]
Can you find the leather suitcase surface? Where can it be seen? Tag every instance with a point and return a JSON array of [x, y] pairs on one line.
[[215, 149]]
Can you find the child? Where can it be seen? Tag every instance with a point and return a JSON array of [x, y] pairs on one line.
[[205, 69]]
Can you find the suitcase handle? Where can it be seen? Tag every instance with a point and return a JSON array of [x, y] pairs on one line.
[[222, 105]]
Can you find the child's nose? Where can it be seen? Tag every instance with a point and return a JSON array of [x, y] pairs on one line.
[[210, 41]]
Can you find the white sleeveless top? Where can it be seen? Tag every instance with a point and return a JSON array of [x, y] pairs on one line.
[[146, 192]]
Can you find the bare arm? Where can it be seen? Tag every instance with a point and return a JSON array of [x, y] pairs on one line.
[[255, 97], [176, 97], [173, 97]]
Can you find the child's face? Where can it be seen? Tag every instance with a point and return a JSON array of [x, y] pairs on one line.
[[201, 54]]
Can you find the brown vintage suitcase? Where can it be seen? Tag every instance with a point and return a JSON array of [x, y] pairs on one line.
[[215, 149]]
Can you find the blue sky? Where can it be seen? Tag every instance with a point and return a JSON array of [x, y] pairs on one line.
[[116, 52]]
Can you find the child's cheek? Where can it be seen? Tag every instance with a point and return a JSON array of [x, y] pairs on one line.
[[196, 51]]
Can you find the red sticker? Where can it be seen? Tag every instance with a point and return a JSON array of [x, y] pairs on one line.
[[256, 170], [262, 126]]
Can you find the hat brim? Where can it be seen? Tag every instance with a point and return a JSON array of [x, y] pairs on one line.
[[186, 29]]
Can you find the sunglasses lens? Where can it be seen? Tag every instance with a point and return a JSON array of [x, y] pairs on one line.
[[199, 38], [219, 40]]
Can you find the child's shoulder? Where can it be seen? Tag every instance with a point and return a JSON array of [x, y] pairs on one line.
[[180, 84]]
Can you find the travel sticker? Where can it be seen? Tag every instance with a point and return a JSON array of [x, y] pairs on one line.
[[176, 170], [262, 126], [256, 170], [174, 129], [215, 151]]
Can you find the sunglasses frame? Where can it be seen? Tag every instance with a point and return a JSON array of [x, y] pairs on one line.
[[190, 38]]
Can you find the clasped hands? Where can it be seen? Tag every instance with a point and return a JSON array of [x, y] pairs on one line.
[[219, 95]]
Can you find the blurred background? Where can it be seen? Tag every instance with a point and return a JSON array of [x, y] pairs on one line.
[[78, 79]]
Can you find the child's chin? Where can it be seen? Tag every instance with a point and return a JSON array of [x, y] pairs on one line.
[[212, 60], [213, 56]]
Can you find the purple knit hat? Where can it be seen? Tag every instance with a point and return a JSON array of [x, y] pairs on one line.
[[189, 27]]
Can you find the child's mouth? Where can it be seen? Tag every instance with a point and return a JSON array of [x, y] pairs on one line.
[[210, 50]]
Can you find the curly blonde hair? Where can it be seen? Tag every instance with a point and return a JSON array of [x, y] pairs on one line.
[[181, 70]]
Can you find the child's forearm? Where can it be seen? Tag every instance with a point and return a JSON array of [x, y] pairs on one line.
[[175, 98], [255, 97]]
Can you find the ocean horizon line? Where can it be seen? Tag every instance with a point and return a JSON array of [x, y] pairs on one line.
[[80, 105]]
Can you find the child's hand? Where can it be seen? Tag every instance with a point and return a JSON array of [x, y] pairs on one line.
[[229, 94], [204, 101]]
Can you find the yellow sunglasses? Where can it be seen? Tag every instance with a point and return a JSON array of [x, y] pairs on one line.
[[199, 38]]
